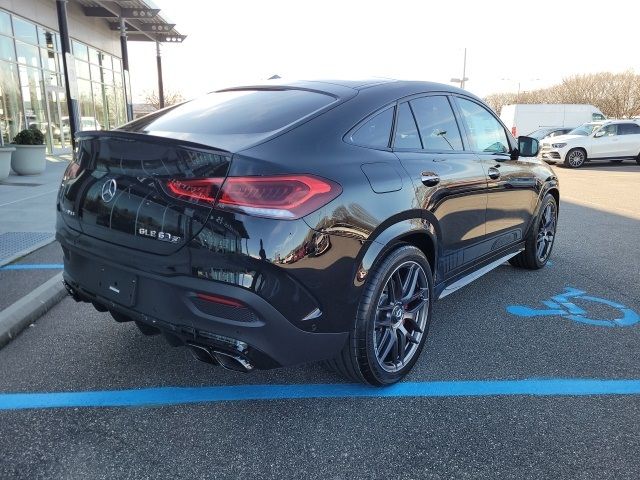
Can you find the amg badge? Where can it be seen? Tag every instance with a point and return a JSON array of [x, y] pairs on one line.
[[163, 236]]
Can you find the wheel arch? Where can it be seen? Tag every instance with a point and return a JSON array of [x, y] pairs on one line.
[[418, 232]]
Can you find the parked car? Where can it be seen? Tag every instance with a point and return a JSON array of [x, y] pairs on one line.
[[523, 119], [549, 132], [86, 123], [273, 225], [614, 140]]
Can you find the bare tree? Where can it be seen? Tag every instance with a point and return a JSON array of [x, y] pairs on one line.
[[170, 98], [617, 95]]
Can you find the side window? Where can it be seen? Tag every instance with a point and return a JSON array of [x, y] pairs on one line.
[[486, 134], [375, 132], [436, 123], [628, 129], [406, 131], [597, 116], [610, 130]]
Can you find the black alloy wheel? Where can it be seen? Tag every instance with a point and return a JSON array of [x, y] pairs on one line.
[[546, 231], [541, 237], [392, 321]]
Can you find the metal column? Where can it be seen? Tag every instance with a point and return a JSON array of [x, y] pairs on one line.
[[68, 66], [160, 86], [125, 69]]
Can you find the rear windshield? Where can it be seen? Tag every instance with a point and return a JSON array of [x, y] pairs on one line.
[[234, 112]]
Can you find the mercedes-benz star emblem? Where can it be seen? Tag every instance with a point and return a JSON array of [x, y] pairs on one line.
[[109, 190]]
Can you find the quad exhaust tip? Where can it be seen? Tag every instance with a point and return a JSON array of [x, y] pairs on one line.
[[226, 360]]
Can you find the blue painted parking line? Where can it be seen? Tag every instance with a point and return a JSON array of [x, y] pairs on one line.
[[34, 266], [154, 397]]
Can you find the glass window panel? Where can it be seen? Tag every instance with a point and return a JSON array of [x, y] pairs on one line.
[[5, 24], [107, 77], [486, 134], [117, 64], [99, 103], [437, 125], [87, 113], [11, 112], [80, 50], [25, 31], [94, 56], [112, 109], [82, 69], [46, 38], [33, 97], [7, 51], [107, 61], [376, 131], [122, 115], [406, 130], [57, 43], [28, 54], [96, 74], [117, 77], [49, 60]]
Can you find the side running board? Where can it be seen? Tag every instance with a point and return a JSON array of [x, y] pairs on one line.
[[475, 275]]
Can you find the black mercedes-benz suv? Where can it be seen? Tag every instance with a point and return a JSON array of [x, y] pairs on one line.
[[277, 224]]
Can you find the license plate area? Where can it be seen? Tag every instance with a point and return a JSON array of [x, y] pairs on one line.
[[116, 285]]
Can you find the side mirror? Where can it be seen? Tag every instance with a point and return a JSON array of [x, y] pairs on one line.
[[528, 147], [598, 134]]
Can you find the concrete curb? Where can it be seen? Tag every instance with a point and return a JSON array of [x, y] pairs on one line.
[[19, 315]]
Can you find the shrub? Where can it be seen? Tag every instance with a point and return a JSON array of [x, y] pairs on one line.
[[30, 136]]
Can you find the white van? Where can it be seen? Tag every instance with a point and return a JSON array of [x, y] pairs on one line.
[[523, 119]]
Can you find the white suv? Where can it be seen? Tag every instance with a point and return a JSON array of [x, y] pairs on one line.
[[614, 140]]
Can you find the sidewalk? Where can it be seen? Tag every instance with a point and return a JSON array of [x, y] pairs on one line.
[[27, 210], [30, 260]]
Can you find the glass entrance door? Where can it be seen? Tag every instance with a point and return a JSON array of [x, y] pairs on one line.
[[58, 120]]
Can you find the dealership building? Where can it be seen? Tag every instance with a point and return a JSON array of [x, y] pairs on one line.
[[64, 64]]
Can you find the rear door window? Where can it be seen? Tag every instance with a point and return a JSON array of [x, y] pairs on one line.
[[628, 129], [406, 132], [235, 112], [436, 123], [375, 132]]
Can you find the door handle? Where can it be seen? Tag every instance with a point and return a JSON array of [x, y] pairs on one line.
[[493, 173], [430, 179]]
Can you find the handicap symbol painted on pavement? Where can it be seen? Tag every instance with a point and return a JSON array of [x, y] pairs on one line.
[[561, 305]]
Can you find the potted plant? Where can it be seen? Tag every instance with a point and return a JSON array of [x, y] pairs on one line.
[[29, 156], [5, 160]]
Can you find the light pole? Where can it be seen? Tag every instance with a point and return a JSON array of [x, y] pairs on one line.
[[462, 80]]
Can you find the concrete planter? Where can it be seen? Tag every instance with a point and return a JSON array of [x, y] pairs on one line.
[[5, 161], [29, 159]]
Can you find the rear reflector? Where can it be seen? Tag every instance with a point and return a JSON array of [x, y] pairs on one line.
[[229, 302], [282, 196]]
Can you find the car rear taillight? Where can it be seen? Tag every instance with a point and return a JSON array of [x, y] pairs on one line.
[[514, 131], [281, 196], [204, 189], [71, 172]]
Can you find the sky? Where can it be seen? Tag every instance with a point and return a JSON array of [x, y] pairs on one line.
[[509, 43]]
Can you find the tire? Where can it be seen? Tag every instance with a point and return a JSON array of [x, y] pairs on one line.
[[543, 230], [575, 158], [638, 159], [384, 325]]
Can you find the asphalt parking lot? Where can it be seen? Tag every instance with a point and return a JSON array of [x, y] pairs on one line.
[[445, 421]]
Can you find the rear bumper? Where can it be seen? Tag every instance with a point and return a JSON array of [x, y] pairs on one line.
[[259, 333]]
